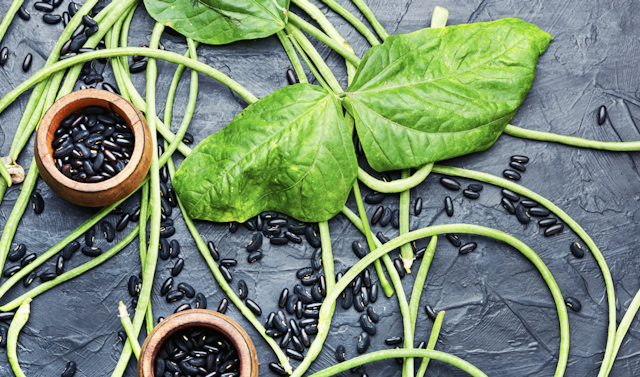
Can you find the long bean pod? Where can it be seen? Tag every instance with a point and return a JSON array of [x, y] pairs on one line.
[[8, 17], [623, 327], [293, 55], [19, 320], [433, 338], [128, 328], [356, 23], [307, 60], [614, 146], [421, 278], [406, 253], [368, 14]]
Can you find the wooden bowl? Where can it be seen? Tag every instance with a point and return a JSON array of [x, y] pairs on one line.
[[199, 318], [103, 193]]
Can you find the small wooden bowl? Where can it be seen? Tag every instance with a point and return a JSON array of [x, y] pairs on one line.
[[199, 318], [111, 190]]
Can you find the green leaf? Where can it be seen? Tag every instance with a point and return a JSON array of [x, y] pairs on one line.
[[289, 152], [440, 93], [219, 22]]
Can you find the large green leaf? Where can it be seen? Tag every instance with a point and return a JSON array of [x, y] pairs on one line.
[[290, 152], [221, 21], [440, 93]]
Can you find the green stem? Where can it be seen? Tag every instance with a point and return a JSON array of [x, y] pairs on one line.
[[368, 14], [322, 37], [621, 332], [433, 338], [394, 354], [356, 23], [324, 323], [142, 223], [68, 275], [224, 285], [128, 328], [421, 278], [308, 62], [315, 57], [386, 287], [597, 254], [614, 146], [439, 17], [396, 186], [405, 198], [354, 271], [8, 18], [19, 320], [293, 55], [5, 174]]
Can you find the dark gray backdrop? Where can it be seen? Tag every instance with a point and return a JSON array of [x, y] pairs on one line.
[[500, 315]]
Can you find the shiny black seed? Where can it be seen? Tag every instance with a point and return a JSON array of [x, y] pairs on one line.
[[254, 257], [243, 289], [467, 248], [226, 274], [316, 259], [278, 369], [4, 56], [60, 265], [164, 249], [508, 205], [454, 239], [448, 206], [279, 240], [138, 66], [29, 278], [253, 306], [539, 211], [449, 183], [233, 226], [312, 237], [17, 252], [295, 354], [395, 218], [228, 262], [43, 7], [200, 302], [51, 19], [311, 329], [363, 342], [304, 337], [214, 251], [358, 303], [511, 174], [47, 276], [382, 237], [547, 222], [135, 215], [167, 231], [123, 221], [24, 14], [573, 304], [182, 308], [224, 305], [522, 213], [166, 286], [393, 340], [386, 217], [177, 268], [309, 279], [290, 305], [341, 353], [477, 187], [122, 336], [577, 250], [37, 203], [292, 237], [432, 314], [602, 115], [373, 316], [187, 290], [373, 293], [510, 195], [553, 229], [359, 249], [284, 296], [110, 88], [294, 327], [374, 198], [255, 243], [70, 369], [291, 77], [397, 263], [366, 278], [174, 296], [27, 259], [517, 166], [357, 284], [108, 231], [78, 42], [529, 203], [471, 194], [520, 159], [286, 338], [297, 229], [9, 272], [303, 294], [367, 325], [417, 207], [249, 224]]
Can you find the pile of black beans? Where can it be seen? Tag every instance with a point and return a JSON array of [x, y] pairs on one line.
[[92, 146], [197, 351]]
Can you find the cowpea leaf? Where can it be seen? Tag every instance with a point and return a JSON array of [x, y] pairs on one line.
[[221, 21], [439, 93], [289, 152]]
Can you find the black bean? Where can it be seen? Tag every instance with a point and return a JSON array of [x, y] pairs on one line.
[[174, 296], [511, 174], [432, 314], [9, 272], [138, 66], [477, 187], [16, 253], [278, 369], [471, 194], [253, 307], [602, 115], [200, 302], [341, 353], [268, 215], [284, 296], [172, 197], [286, 338], [312, 237], [539, 211], [373, 316], [272, 232], [510, 195], [24, 14], [187, 290], [309, 279], [224, 305], [294, 354], [110, 88], [254, 257], [363, 342], [547, 222], [422, 345], [92, 78], [226, 274], [316, 293], [4, 56], [70, 369], [268, 324], [88, 21], [291, 77], [448, 206], [135, 214], [553, 229], [374, 198], [520, 159], [60, 265], [386, 217], [297, 229], [417, 207], [182, 308], [395, 218], [277, 222], [292, 237], [316, 259], [167, 231], [290, 305], [37, 202], [373, 293], [63, 151], [577, 250], [517, 166], [467, 248], [322, 286], [279, 240], [243, 289], [164, 249], [454, 239], [393, 340], [304, 337], [213, 250], [303, 294], [108, 230], [382, 237], [29, 278], [367, 325], [166, 207], [573, 304], [73, 8], [228, 262], [177, 268], [522, 213], [166, 286], [123, 221], [43, 7], [397, 263], [347, 298], [295, 329], [358, 249], [27, 259], [171, 367], [449, 183], [233, 226], [508, 205], [51, 19], [529, 203], [356, 285], [311, 329], [78, 42], [187, 138], [358, 303]]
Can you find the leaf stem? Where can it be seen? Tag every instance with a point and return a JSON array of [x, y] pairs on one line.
[[597, 254], [398, 185], [614, 146], [368, 14], [128, 328], [386, 287], [393, 354], [293, 55], [322, 37], [406, 252], [356, 23], [19, 320], [433, 338]]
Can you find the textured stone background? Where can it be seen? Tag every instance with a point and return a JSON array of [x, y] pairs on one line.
[[500, 315]]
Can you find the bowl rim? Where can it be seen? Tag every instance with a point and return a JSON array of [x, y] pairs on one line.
[[247, 354], [115, 103]]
